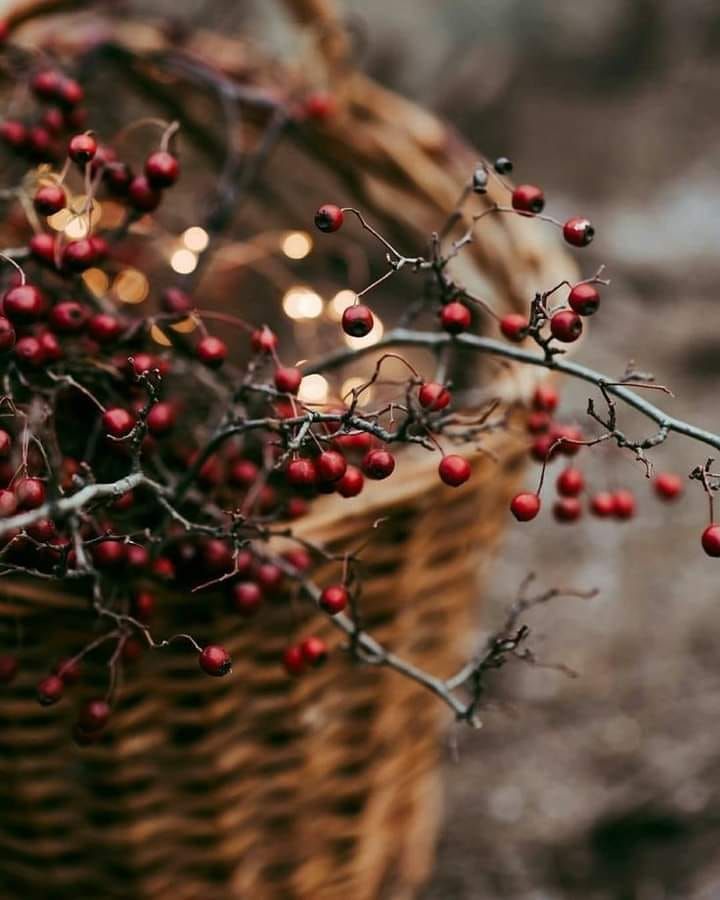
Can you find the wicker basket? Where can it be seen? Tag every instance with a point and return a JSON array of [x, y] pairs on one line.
[[258, 787]]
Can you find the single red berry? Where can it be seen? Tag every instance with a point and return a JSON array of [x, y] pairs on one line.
[[42, 530], [287, 379], [454, 470], [68, 316], [49, 199], [69, 670], [602, 504], [118, 422], [584, 299], [294, 660], [50, 690], [514, 327], [24, 303], [270, 577], [334, 599], [578, 232], [538, 422], [124, 501], [14, 134], [217, 556], [247, 597], [541, 447], [79, 255], [143, 606], [329, 218], [104, 328], [525, 506], [137, 556], [623, 505], [244, 473], [455, 317], [528, 198], [94, 716], [8, 668], [433, 396], [118, 177], [82, 148], [40, 143], [378, 464], [567, 509], [161, 419], [357, 320], [100, 247], [109, 554], [30, 493], [351, 483], [215, 660], [7, 334], [301, 472], [5, 443], [299, 559], [570, 482], [8, 504], [46, 84], [131, 650], [545, 398], [162, 169], [320, 106], [566, 326], [142, 195], [163, 568], [211, 351], [330, 466], [42, 247], [711, 540], [69, 92], [175, 300], [314, 651], [50, 348], [668, 486], [264, 340]]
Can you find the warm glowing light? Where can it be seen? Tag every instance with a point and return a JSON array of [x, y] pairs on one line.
[[159, 336], [96, 281], [77, 228], [313, 389], [339, 303], [78, 206], [183, 261], [59, 221], [131, 286], [302, 303], [185, 326], [373, 337], [297, 244], [196, 239]]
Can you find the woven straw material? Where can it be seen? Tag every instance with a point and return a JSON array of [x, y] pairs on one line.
[[257, 786]]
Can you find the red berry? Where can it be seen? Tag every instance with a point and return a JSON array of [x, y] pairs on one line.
[[161, 419], [301, 472], [299, 559], [46, 84], [142, 195], [540, 448], [162, 169], [42, 530], [351, 483], [30, 493], [69, 670], [330, 466], [570, 482], [263, 340], [567, 509], [244, 473], [329, 218], [79, 255], [378, 464], [8, 668], [545, 398], [357, 320], [14, 134], [118, 177], [104, 328], [68, 316], [82, 148], [578, 232], [455, 317], [584, 299], [50, 690], [528, 198], [314, 651], [69, 92], [24, 303], [215, 660], [514, 327], [49, 199], [319, 106], [40, 143], [270, 577], [668, 486], [454, 470], [8, 504], [7, 334], [287, 379], [568, 436], [118, 422], [247, 597], [94, 716], [143, 606], [433, 396], [175, 300], [602, 504], [566, 326], [42, 247], [5, 443], [28, 350], [334, 599], [211, 351], [711, 540], [525, 506], [109, 554], [217, 556], [294, 660], [623, 505]]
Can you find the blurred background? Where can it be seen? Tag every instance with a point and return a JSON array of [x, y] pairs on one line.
[[603, 786]]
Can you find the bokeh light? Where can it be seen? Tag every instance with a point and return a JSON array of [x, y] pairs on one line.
[[297, 245], [302, 303], [130, 286], [313, 389], [196, 239], [339, 303], [183, 262]]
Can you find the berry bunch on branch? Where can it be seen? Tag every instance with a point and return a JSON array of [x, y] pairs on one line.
[[143, 450]]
